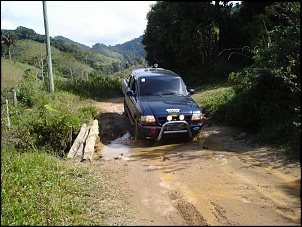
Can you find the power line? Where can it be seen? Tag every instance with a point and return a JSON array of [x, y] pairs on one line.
[[7, 10]]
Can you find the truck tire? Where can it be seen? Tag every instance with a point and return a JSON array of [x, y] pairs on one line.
[[137, 135], [125, 108]]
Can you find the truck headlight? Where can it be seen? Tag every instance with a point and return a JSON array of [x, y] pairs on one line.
[[147, 120], [197, 117]]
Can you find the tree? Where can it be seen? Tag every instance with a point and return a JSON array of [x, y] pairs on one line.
[[70, 62], [8, 39], [269, 90], [179, 35]]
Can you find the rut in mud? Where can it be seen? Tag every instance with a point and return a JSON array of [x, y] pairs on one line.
[[217, 179]]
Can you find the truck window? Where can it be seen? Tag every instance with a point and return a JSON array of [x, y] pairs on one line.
[[162, 86], [132, 83], [129, 80]]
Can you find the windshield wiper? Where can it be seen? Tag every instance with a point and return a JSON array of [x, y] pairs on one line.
[[169, 93], [150, 94]]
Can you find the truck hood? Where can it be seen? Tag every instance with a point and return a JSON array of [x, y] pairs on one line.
[[156, 105]]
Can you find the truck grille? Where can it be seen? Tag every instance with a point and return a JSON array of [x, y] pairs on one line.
[[163, 119]]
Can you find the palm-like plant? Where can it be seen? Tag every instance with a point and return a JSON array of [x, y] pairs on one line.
[[8, 39]]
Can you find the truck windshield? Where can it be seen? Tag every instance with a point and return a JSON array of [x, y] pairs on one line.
[[160, 86]]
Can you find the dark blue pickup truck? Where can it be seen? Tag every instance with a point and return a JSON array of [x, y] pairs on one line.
[[158, 105]]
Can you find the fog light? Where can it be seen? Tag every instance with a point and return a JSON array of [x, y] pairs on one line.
[[169, 118], [181, 117]]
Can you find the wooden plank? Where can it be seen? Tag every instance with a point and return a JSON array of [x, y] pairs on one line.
[[80, 152], [78, 141], [90, 141]]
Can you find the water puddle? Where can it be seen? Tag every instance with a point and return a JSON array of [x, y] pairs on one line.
[[117, 148], [126, 148]]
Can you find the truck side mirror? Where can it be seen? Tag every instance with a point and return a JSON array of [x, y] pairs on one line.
[[129, 93], [191, 91]]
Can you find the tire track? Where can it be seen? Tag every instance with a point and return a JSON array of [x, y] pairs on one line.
[[187, 210]]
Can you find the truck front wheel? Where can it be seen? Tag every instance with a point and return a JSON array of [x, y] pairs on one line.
[[125, 108], [137, 135]]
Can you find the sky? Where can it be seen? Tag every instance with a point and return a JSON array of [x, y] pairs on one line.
[[85, 22]]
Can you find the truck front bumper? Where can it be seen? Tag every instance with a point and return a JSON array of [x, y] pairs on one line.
[[172, 128]]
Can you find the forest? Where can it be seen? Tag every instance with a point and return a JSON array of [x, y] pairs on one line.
[[254, 46]]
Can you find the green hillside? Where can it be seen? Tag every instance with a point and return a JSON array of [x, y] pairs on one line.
[[101, 58], [64, 64], [12, 73]]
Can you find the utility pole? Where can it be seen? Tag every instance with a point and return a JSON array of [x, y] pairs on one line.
[[48, 50]]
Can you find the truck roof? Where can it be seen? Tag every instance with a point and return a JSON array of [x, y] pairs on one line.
[[146, 72]]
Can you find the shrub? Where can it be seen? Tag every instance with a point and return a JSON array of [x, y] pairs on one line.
[[44, 120]]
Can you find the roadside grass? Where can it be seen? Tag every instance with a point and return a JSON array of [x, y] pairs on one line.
[[40, 189], [214, 100], [38, 185]]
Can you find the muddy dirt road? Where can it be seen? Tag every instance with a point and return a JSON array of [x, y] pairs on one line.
[[217, 179]]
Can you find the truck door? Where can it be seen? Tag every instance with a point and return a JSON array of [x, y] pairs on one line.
[[131, 102]]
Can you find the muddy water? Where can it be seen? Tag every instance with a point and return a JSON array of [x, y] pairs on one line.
[[117, 148], [126, 148]]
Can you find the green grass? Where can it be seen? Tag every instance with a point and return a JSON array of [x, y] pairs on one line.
[[34, 190], [38, 186], [12, 72], [213, 99], [39, 189], [216, 102]]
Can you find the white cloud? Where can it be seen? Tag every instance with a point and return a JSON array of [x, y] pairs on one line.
[[86, 22]]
